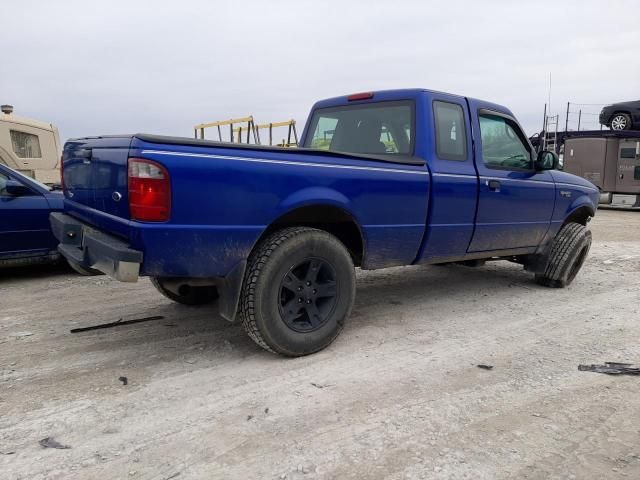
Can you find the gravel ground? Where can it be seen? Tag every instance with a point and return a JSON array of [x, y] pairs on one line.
[[398, 395]]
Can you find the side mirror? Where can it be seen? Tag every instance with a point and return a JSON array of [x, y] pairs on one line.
[[547, 160], [16, 189]]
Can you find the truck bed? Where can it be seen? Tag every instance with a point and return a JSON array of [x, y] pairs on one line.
[[210, 182]]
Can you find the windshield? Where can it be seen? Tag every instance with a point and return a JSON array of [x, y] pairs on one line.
[[32, 180], [382, 128]]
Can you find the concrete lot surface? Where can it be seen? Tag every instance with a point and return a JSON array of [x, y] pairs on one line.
[[397, 396]]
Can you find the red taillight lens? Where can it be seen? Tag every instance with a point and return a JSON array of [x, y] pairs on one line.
[[360, 96], [149, 191]]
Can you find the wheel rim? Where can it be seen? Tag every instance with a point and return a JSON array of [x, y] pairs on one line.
[[575, 268], [619, 122], [308, 295]]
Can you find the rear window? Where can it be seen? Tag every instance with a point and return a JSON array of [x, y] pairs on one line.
[[25, 145], [383, 128]]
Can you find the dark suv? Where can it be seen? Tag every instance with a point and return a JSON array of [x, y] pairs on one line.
[[621, 116]]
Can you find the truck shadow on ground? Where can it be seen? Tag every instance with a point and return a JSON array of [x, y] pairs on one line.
[[32, 272], [200, 334]]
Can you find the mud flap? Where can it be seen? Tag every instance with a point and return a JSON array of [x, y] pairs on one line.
[[229, 289], [536, 263]]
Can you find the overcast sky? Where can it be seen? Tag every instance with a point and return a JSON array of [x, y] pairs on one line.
[[162, 66]]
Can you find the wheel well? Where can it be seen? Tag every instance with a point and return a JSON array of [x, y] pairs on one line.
[[616, 113], [331, 219], [581, 215]]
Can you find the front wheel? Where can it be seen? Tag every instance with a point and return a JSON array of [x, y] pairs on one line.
[[298, 291], [621, 121], [568, 253]]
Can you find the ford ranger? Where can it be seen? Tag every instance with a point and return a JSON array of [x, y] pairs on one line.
[[382, 179]]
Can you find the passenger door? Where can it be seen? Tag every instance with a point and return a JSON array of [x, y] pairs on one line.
[[515, 202], [454, 181], [24, 222]]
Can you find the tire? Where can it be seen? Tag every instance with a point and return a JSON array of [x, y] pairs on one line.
[[568, 253], [87, 272], [187, 295], [620, 121], [298, 291]]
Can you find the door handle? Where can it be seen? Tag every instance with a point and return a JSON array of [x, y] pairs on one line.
[[494, 185]]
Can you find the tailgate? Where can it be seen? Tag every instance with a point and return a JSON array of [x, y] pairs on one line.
[[95, 178]]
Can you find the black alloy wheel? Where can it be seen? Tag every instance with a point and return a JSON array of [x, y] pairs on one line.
[[308, 295]]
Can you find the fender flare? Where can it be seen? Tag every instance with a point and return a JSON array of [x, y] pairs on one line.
[[581, 204]]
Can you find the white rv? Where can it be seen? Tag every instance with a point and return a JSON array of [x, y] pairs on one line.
[[29, 146]]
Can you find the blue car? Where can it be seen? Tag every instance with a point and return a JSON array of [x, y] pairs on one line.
[[25, 233]]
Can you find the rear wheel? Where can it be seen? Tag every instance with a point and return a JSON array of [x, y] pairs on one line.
[[298, 291], [620, 121], [185, 294], [568, 253]]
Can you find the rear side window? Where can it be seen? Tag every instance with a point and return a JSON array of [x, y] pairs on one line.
[[382, 128], [451, 135], [25, 145]]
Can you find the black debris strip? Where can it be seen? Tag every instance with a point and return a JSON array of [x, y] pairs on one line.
[[116, 324], [611, 368]]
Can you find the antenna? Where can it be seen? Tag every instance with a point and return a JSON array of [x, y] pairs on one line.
[[549, 94]]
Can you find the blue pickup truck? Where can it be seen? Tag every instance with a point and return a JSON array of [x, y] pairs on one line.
[[382, 179]]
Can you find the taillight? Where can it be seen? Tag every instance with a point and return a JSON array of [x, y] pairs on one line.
[[149, 191]]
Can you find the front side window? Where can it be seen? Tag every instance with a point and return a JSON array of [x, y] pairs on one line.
[[382, 128], [503, 143], [25, 145], [636, 173], [451, 135]]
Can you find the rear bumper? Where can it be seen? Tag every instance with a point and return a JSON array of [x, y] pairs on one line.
[[91, 248]]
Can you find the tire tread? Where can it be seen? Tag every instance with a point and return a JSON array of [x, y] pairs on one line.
[[562, 253], [257, 260]]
